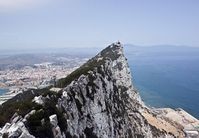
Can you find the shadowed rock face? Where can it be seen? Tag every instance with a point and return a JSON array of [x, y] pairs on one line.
[[96, 104], [98, 100], [102, 101]]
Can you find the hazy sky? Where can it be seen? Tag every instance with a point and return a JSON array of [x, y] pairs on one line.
[[87, 23]]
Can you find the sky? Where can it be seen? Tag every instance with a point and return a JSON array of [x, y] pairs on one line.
[[26, 24]]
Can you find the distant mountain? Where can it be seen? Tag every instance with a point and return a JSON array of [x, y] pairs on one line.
[[18, 61], [161, 50]]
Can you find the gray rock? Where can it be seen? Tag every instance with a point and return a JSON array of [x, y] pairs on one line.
[[26, 135], [53, 120], [100, 101], [55, 129], [16, 129]]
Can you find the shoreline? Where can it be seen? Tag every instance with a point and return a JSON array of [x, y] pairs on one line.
[[156, 103], [7, 95], [177, 116], [4, 90], [169, 119], [10, 93]]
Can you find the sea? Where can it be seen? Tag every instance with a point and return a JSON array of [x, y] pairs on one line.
[[166, 76], [3, 91]]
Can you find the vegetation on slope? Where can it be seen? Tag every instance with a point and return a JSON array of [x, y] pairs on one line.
[[39, 123], [22, 103], [107, 53]]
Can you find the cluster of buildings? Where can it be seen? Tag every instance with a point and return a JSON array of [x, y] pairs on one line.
[[36, 76]]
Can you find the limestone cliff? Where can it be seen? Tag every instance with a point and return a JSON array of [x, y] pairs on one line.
[[97, 100], [102, 102]]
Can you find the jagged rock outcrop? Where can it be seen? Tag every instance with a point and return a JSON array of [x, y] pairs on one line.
[[96, 100], [15, 129], [55, 128], [103, 102]]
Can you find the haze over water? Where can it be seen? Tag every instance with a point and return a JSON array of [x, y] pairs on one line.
[[166, 76]]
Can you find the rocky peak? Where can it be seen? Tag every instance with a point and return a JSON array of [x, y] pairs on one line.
[[96, 100], [101, 100]]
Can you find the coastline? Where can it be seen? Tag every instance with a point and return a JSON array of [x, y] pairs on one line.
[[8, 94], [3, 90], [169, 119], [173, 117], [3, 95]]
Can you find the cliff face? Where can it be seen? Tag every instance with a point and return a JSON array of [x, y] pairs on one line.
[[96, 100], [99, 103]]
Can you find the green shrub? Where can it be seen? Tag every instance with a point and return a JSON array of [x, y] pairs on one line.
[[37, 128]]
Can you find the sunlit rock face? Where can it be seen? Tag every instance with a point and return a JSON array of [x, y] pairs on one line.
[[97, 100], [16, 128], [103, 103]]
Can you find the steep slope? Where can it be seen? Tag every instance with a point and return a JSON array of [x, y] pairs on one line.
[[98, 103], [96, 100]]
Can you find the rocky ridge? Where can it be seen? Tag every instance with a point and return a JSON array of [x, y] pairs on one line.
[[96, 100]]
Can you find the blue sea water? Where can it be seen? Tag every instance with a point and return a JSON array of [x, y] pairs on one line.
[[2, 91], [166, 76]]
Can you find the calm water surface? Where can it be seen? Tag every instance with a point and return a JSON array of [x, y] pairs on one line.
[[2, 91], [167, 77]]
